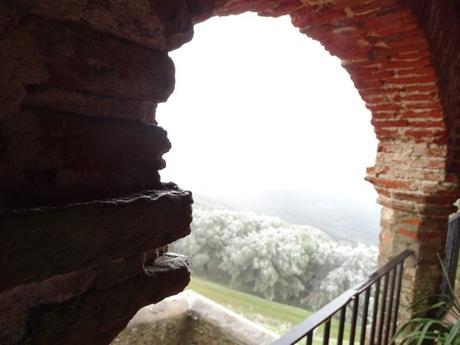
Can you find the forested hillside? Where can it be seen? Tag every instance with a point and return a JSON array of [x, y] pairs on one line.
[[295, 264], [343, 217]]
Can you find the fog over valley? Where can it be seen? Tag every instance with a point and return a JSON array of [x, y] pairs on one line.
[[267, 121], [341, 218]]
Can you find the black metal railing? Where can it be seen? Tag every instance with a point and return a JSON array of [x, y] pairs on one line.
[[373, 306], [451, 252]]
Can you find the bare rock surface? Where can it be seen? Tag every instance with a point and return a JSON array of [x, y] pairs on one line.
[[42, 54], [153, 23], [90, 104], [81, 59], [83, 215], [57, 157], [74, 309], [190, 318], [39, 243]]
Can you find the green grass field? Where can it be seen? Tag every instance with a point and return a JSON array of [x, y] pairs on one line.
[[276, 316]]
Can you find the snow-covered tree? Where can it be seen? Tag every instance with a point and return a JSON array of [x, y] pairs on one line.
[[296, 264]]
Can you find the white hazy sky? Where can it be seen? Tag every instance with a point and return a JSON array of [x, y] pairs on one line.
[[259, 106]]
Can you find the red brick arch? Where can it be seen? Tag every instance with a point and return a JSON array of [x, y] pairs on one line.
[[391, 50]]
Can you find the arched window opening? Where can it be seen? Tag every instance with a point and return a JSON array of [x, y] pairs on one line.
[[254, 112], [273, 139], [393, 74]]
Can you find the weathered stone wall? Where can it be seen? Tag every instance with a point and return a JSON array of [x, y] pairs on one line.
[[191, 319], [187, 329], [168, 331], [84, 218], [199, 331]]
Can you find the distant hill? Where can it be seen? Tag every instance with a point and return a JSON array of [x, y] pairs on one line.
[[339, 217]]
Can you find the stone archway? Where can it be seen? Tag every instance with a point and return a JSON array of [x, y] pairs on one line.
[[385, 49], [77, 74]]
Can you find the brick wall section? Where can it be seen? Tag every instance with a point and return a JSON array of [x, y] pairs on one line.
[[385, 51], [440, 21], [391, 55]]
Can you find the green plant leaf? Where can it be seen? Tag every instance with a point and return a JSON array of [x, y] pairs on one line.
[[421, 328], [453, 334], [451, 289]]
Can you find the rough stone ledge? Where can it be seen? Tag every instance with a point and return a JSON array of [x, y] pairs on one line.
[[80, 59], [190, 318], [165, 263], [83, 312], [90, 104], [50, 157], [42, 242]]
